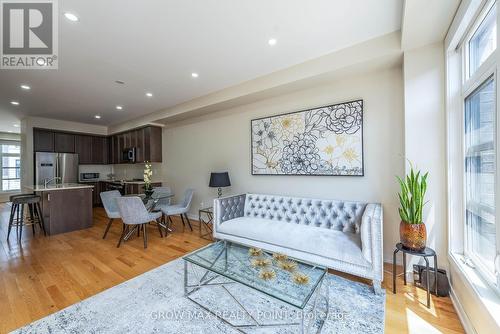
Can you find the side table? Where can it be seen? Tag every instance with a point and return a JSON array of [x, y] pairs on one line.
[[425, 253], [206, 219]]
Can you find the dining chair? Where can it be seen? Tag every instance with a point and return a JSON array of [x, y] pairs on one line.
[[180, 209], [134, 213], [108, 199]]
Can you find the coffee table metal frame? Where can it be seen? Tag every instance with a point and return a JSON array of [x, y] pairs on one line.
[[205, 281]]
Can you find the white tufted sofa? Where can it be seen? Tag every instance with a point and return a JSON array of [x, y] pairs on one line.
[[341, 235]]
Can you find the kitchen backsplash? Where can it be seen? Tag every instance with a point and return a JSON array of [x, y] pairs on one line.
[[103, 170], [122, 171], [135, 171]]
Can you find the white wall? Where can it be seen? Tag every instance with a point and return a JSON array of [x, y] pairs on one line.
[[218, 142], [425, 136]]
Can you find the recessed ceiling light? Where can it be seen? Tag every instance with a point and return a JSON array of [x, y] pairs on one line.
[[149, 94], [72, 17], [194, 75], [119, 107], [16, 125], [272, 41], [14, 103], [25, 87], [97, 117], [9, 131]]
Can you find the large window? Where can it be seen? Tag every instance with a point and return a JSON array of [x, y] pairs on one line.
[[484, 41], [480, 173], [10, 163], [479, 97]]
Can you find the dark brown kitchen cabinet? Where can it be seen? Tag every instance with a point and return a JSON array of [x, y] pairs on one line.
[[64, 142], [136, 188], [115, 154], [147, 143], [43, 140], [92, 150], [83, 147], [152, 144], [96, 193], [139, 145], [100, 150]]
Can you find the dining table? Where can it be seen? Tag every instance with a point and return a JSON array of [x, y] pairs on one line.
[[150, 202]]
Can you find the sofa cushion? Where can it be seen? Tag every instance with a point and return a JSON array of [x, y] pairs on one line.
[[331, 214], [314, 240]]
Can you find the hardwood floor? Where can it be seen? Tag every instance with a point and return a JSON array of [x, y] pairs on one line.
[[46, 274]]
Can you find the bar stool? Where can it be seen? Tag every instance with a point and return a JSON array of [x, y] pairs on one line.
[[17, 214]]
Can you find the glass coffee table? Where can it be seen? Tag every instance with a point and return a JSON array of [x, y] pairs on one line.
[[291, 282]]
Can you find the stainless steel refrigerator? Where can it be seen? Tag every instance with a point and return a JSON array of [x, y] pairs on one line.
[[50, 165]]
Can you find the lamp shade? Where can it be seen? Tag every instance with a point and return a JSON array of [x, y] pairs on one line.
[[218, 180]]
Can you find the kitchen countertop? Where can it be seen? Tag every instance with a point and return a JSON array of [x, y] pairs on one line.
[[126, 182], [62, 186]]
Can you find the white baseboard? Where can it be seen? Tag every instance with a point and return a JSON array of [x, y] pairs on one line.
[[464, 319]]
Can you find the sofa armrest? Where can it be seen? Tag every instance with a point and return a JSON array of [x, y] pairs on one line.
[[372, 236], [227, 208]]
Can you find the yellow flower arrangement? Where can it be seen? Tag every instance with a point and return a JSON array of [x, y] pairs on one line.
[[288, 265], [267, 274], [300, 278], [255, 251], [261, 262], [280, 257]]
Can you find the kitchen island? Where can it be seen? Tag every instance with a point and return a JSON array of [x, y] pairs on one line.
[[66, 207]]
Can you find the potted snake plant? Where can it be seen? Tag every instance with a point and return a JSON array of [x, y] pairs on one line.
[[412, 231]]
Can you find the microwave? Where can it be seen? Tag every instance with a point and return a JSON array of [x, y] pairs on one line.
[[128, 155], [89, 177]]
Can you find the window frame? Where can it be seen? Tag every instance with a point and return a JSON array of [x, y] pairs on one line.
[[17, 155], [470, 83]]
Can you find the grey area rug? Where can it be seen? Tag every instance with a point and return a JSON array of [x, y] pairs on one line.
[[154, 303]]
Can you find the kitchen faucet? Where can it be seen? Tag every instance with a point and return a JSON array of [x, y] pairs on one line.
[[47, 181]]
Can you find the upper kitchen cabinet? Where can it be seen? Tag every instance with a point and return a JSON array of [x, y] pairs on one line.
[[100, 150], [114, 149], [83, 147], [92, 150], [146, 141], [43, 140], [64, 142], [152, 144]]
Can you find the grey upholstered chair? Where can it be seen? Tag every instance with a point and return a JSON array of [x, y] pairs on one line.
[[108, 199], [180, 209], [134, 213]]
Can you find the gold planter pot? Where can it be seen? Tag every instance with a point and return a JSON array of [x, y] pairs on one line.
[[413, 236]]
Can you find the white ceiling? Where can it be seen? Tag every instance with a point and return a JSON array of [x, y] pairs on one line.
[[426, 21], [155, 45]]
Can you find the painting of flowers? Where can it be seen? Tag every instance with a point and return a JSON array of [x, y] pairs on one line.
[[321, 141]]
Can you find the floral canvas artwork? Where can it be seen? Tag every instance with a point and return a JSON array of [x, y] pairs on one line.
[[321, 141]]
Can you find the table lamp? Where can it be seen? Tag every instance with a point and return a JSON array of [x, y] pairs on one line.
[[219, 180]]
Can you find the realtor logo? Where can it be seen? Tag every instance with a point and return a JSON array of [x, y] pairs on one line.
[[28, 34]]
